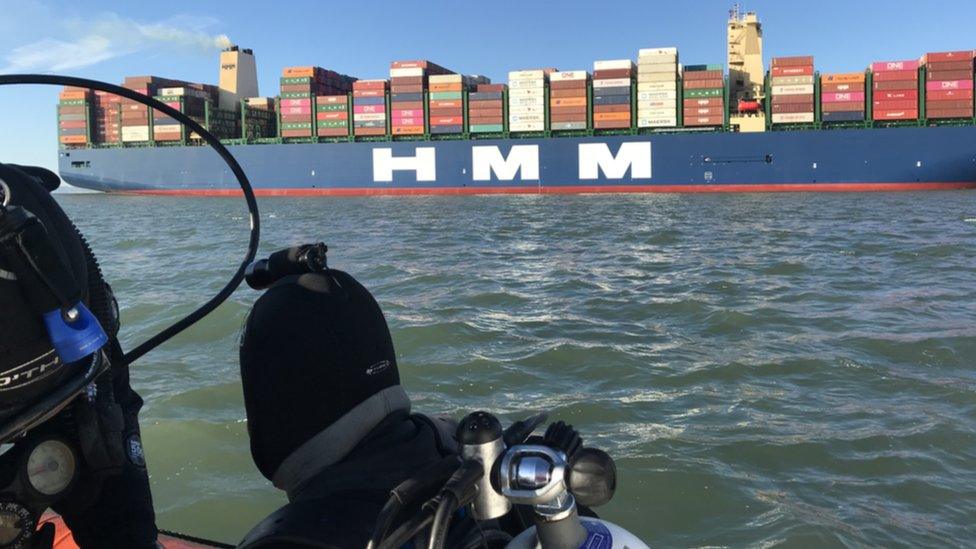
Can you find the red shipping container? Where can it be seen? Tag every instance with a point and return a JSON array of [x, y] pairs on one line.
[[899, 114], [894, 66], [704, 102], [704, 111], [895, 95], [888, 76], [950, 66], [949, 94], [611, 124], [705, 121], [406, 113], [896, 85], [793, 61], [369, 93], [370, 85], [332, 116], [843, 107], [703, 84], [938, 57], [397, 121], [964, 112], [805, 70], [333, 132], [447, 121], [895, 105], [446, 104], [949, 75], [949, 85], [444, 112]]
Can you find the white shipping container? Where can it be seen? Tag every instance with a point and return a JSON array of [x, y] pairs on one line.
[[529, 74], [445, 78], [135, 133], [657, 104], [657, 77], [517, 118], [369, 116], [613, 64], [514, 101], [805, 89], [671, 68], [527, 127], [568, 75], [657, 95], [657, 59], [791, 80], [657, 113], [183, 91], [528, 109], [657, 51], [167, 128], [793, 118], [666, 122], [611, 83], [656, 86], [527, 92], [519, 84], [408, 71]]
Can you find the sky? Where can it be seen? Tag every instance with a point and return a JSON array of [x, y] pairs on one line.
[[182, 39]]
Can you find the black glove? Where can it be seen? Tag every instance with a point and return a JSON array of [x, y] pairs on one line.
[[111, 506]]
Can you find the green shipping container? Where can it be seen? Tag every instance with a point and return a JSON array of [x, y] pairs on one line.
[[717, 92], [333, 124], [478, 128], [445, 95], [297, 126], [330, 107], [73, 102], [713, 67], [296, 80], [296, 95]]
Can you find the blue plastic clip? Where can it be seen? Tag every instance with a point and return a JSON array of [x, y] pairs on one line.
[[74, 333]]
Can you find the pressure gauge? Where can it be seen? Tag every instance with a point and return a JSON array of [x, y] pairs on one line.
[[16, 523], [51, 468]]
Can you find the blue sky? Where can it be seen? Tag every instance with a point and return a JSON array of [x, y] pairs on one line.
[[180, 39]]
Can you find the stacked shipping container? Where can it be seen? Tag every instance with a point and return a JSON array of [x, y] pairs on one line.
[[74, 116], [299, 87], [949, 85], [792, 90], [369, 107], [408, 82], [189, 101], [842, 97], [332, 115], [704, 93], [895, 90], [259, 118], [485, 109], [568, 100], [657, 88], [527, 100], [612, 84], [446, 101], [106, 117]]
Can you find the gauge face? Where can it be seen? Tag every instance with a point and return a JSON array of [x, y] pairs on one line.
[[15, 523], [51, 467]]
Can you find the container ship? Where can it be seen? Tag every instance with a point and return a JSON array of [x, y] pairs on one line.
[[650, 125]]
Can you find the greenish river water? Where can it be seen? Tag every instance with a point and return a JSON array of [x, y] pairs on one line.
[[768, 369]]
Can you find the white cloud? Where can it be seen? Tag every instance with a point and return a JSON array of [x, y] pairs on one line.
[[91, 41]]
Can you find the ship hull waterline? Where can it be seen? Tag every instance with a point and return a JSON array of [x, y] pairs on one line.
[[889, 159]]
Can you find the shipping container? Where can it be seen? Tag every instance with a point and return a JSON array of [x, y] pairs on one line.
[[948, 80], [895, 90], [842, 93], [613, 86], [657, 69], [700, 79]]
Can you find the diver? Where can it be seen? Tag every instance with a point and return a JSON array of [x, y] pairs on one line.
[[329, 422], [90, 466]]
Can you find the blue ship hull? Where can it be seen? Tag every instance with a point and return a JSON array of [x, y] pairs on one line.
[[803, 160]]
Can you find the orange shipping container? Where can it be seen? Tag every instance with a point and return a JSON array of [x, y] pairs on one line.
[[446, 87], [842, 78], [448, 104], [611, 116], [403, 130], [73, 139], [73, 94], [294, 72], [568, 102]]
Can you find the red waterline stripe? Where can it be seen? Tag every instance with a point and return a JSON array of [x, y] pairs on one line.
[[570, 189]]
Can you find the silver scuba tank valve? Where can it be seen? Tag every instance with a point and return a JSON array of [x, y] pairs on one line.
[[480, 437]]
